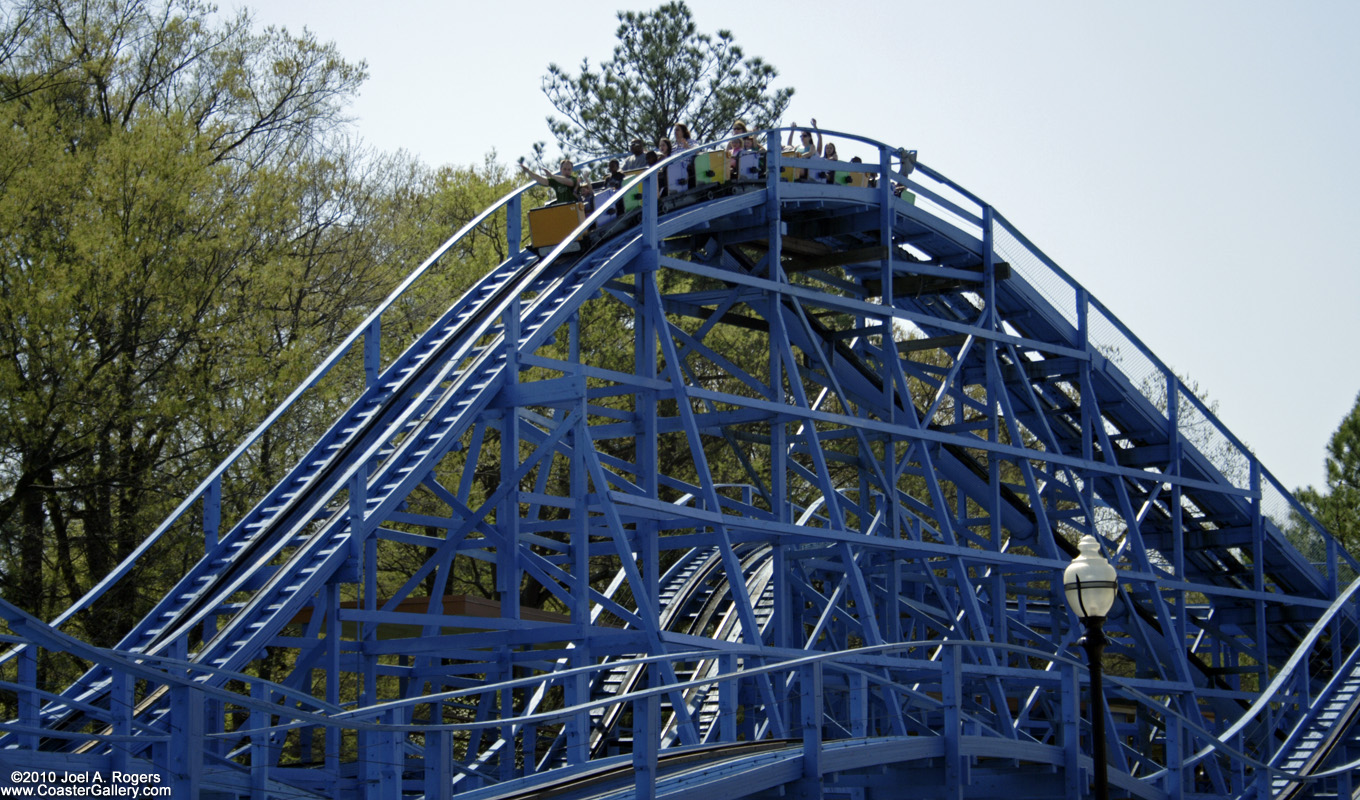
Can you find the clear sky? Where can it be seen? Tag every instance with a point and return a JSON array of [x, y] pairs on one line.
[[1192, 164]]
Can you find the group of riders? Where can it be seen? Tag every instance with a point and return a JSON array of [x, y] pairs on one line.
[[568, 187]]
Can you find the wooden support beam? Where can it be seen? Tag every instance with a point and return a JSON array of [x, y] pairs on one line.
[[807, 263], [932, 343], [918, 285]]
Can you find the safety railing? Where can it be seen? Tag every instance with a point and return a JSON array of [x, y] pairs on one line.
[[802, 702]]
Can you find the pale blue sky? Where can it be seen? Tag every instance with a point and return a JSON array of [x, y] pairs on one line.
[[1192, 163]]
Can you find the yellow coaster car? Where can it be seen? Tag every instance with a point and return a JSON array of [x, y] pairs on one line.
[[787, 173], [711, 167], [860, 179], [551, 224]]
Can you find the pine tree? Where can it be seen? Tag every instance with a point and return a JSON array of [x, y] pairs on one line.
[[663, 72], [1338, 507]]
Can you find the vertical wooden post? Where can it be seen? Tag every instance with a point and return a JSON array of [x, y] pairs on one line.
[[373, 352], [186, 737], [646, 719], [28, 698], [811, 708]]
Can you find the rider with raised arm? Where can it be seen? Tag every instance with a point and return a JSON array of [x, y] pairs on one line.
[[804, 149], [563, 184]]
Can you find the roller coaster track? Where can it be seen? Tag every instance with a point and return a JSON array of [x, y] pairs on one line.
[[792, 469]]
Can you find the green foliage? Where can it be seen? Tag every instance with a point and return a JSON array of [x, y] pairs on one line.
[[187, 232], [163, 189], [663, 72], [1338, 507]]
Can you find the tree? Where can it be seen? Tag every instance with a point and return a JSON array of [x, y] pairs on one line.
[[1338, 508], [663, 72], [183, 233]]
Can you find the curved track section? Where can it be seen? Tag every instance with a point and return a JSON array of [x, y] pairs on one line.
[[757, 487]]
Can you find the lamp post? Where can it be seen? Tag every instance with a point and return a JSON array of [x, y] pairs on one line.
[[1090, 584]]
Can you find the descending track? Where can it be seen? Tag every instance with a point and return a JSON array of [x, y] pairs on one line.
[[796, 464]]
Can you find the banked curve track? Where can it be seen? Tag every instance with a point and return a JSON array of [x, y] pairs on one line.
[[764, 486]]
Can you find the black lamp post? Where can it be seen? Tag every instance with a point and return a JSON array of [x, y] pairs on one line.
[[1090, 584]]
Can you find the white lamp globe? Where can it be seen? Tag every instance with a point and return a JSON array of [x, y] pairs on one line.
[[1089, 581]]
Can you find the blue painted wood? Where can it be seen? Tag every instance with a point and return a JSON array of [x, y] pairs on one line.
[[686, 433]]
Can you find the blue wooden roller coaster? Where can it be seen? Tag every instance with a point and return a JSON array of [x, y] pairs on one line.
[[772, 480]]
